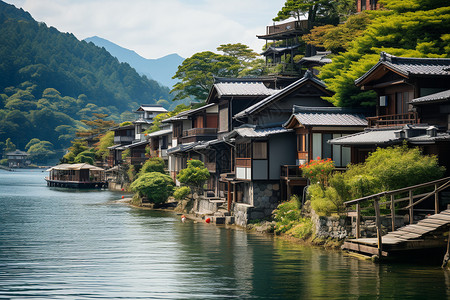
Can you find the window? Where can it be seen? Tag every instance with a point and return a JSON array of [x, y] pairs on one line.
[[243, 150], [260, 150], [373, 4], [402, 102], [363, 4], [223, 119], [302, 142], [317, 145]]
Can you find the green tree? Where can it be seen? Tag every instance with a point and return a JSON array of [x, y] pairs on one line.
[[240, 51], [9, 146], [411, 28], [96, 125], [87, 156], [41, 151], [78, 146], [106, 140], [195, 175], [197, 74], [153, 164], [156, 187]]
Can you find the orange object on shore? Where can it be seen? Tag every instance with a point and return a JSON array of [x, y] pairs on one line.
[[207, 220], [123, 197]]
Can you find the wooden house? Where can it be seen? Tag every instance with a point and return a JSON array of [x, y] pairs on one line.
[[262, 146], [412, 106], [123, 136], [18, 159], [285, 39], [314, 127], [146, 113]]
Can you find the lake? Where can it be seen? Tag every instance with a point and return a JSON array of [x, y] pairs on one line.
[[74, 244]]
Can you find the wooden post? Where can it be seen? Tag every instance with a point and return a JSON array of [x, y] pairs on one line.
[[288, 190], [411, 208], [358, 217], [379, 233], [436, 199], [229, 197], [393, 212]]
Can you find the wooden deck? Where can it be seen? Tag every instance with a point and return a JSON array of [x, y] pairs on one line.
[[422, 235]]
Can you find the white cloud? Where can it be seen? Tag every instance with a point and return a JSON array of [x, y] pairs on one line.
[[154, 28]]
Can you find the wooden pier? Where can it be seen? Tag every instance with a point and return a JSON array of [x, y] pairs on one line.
[[425, 234]]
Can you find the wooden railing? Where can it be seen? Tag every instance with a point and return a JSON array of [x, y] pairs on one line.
[[199, 131], [287, 27], [291, 171], [439, 185], [244, 162], [393, 120]]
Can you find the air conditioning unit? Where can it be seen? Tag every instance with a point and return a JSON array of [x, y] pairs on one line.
[[383, 100]]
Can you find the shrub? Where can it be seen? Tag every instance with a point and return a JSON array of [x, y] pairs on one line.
[[155, 186], [287, 215], [4, 162], [195, 175], [318, 171], [181, 192], [153, 164]]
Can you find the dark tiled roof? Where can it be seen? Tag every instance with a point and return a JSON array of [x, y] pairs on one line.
[[182, 148], [185, 114], [243, 89], [328, 116], [252, 131], [414, 134], [255, 107], [437, 97], [411, 66]]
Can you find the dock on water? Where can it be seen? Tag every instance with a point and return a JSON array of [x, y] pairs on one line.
[[429, 232]]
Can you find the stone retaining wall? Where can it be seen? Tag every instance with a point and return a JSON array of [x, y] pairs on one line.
[[334, 227]]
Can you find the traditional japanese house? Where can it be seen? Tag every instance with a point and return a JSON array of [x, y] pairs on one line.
[[161, 141], [262, 146], [189, 129], [76, 176], [123, 136], [146, 114], [18, 159], [314, 127], [285, 40], [412, 106]]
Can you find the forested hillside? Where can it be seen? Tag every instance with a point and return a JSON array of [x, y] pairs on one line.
[[50, 80]]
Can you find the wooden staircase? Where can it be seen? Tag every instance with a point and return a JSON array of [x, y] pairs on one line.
[[427, 233], [421, 235]]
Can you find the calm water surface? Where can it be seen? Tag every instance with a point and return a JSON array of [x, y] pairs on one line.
[[73, 244]]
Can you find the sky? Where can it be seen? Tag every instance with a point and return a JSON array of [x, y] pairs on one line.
[[155, 28]]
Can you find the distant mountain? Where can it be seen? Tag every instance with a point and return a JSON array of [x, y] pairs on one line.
[[50, 80], [161, 69]]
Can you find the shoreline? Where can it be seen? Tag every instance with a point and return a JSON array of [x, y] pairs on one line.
[[332, 245]]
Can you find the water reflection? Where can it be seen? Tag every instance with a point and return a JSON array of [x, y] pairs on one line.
[[70, 244]]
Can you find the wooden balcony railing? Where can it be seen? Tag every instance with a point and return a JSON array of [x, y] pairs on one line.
[[287, 27], [244, 162], [123, 139], [199, 131], [136, 160], [291, 171], [394, 120]]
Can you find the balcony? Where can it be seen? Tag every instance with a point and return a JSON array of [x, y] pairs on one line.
[[136, 161], [289, 172], [394, 120], [123, 139], [199, 134], [285, 29]]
